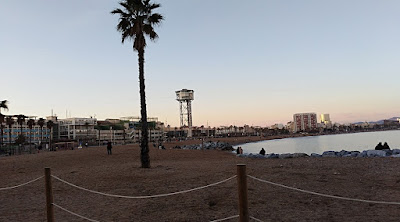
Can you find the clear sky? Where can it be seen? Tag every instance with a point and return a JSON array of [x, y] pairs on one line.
[[249, 62]]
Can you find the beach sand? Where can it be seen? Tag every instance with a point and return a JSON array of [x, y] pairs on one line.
[[175, 170]]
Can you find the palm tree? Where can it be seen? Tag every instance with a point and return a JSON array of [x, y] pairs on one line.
[[21, 120], [50, 125], [3, 105], [2, 119], [40, 122], [31, 123], [135, 22], [9, 121]]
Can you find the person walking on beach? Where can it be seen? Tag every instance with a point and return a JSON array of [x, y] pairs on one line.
[[109, 147]]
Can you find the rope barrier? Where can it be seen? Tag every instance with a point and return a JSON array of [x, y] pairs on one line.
[[226, 218], [20, 185], [80, 216], [258, 220], [142, 197], [324, 195]]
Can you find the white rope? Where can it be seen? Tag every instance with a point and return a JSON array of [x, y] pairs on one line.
[[226, 218], [143, 197], [324, 195], [258, 220], [62, 208], [13, 187]]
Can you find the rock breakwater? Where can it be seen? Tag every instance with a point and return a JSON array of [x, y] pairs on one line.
[[328, 154]]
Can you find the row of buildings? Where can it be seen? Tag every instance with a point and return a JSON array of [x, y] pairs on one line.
[[128, 129], [90, 130]]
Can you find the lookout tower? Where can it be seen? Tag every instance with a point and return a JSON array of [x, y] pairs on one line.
[[185, 97]]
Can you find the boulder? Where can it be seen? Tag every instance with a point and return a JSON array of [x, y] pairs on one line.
[[296, 155], [285, 155], [329, 154], [342, 153], [315, 155], [362, 154], [354, 153], [272, 156], [376, 153], [396, 155], [395, 151]]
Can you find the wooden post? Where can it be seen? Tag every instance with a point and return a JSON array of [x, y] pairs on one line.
[[49, 195], [242, 191]]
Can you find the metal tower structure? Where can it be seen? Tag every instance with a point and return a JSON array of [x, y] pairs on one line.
[[185, 97]]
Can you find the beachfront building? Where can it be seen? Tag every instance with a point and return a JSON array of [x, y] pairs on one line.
[[305, 122], [156, 129], [35, 135], [113, 130], [77, 129]]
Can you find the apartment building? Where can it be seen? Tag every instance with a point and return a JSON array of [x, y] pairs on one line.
[[77, 128], [304, 122], [35, 135]]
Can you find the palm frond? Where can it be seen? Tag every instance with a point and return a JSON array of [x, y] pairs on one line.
[[155, 18], [136, 20]]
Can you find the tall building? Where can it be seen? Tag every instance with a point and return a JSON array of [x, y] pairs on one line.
[[304, 121], [325, 119]]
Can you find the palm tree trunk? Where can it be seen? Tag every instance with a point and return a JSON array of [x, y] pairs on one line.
[[144, 141], [9, 140], [1, 145], [30, 141]]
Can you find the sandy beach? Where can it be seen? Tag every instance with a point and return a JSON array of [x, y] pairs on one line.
[[176, 170]]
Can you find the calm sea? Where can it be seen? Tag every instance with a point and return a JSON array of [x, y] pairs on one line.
[[319, 144]]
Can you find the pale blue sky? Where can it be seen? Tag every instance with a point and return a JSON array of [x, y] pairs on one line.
[[255, 62]]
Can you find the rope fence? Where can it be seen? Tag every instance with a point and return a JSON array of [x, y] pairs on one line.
[[241, 185], [323, 195], [21, 185], [258, 220], [143, 197], [226, 218], [68, 211]]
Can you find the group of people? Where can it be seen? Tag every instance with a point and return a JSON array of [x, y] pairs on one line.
[[385, 146], [239, 150]]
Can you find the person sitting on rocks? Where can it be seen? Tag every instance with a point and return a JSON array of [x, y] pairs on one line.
[[262, 151], [238, 150], [379, 146], [386, 146]]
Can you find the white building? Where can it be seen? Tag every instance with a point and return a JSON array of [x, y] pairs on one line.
[[77, 128]]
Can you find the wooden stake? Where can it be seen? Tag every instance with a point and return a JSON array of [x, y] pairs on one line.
[[49, 195], [242, 191]]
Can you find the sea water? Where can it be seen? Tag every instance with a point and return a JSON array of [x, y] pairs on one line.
[[319, 144]]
